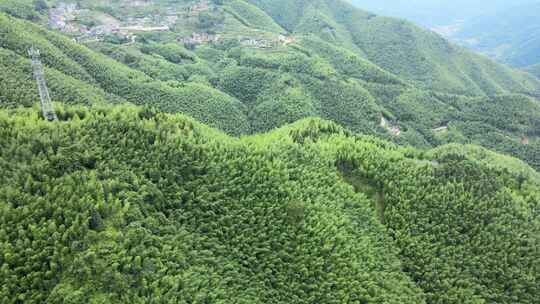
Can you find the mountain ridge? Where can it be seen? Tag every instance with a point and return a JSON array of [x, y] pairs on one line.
[[176, 211], [358, 22], [333, 65], [506, 32]]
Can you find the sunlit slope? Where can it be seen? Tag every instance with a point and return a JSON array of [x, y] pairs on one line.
[[130, 205], [258, 76], [123, 204]]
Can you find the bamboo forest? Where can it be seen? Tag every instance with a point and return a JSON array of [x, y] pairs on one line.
[[266, 151]]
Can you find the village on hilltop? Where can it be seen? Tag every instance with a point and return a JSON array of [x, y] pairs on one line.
[[67, 17]]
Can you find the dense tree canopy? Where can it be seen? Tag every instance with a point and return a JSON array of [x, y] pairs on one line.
[[372, 183], [337, 63], [124, 204]]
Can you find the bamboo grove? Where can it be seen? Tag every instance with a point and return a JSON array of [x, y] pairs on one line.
[[125, 204]]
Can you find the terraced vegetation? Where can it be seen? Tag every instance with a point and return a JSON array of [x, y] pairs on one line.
[[129, 205]]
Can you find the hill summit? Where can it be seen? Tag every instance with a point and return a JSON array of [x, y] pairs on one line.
[[129, 205], [251, 66]]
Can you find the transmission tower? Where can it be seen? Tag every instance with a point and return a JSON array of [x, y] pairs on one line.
[[46, 104]]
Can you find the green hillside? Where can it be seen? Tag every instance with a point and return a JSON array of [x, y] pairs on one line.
[[128, 205], [97, 70], [398, 46], [261, 151], [507, 31], [249, 67]]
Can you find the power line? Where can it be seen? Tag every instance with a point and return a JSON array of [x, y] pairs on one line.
[[46, 104]]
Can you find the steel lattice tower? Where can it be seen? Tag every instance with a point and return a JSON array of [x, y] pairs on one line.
[[46, 104]]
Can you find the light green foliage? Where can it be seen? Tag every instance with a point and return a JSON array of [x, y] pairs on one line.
[[247, 83], [171, 52], [252, 16], [25, 9], [130, 205], [286, 13], [348, 63], [499, 122], [341, 64], [161, 62], [286, 105], [124, 204], [202, 102], [398, 47], [17, 87]]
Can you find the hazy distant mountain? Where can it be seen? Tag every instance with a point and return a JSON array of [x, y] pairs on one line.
[[508, 31], [435, 13], [511, 36]]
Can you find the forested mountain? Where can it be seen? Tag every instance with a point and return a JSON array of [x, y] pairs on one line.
[[399, 47], [129, 205], [279, 151], [507, 31], [246, 67]]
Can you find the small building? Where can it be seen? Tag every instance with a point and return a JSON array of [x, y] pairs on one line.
[[199, 38], [258, 43], [286, 39], [199, 7], [440, 129], [392, 129]]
